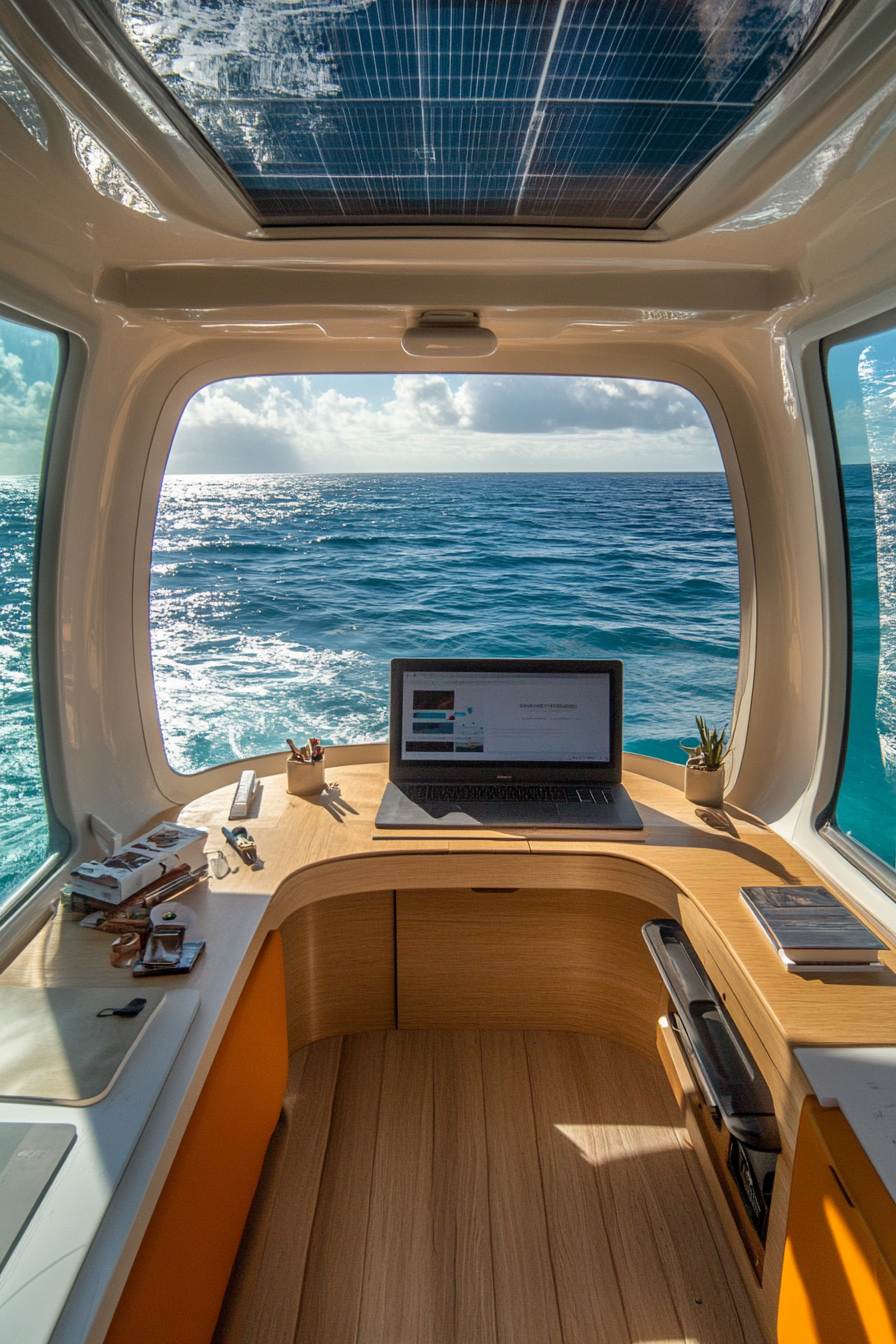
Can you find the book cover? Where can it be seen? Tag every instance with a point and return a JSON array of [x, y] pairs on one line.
[[809, 924]]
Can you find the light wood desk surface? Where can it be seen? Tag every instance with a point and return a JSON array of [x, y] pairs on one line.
[[313, 848]]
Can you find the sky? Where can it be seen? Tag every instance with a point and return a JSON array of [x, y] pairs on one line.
[[428, 422], [862, 383], [28, 363], [846, 400]]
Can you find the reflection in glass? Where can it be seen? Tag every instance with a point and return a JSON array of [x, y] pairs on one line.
[[18, 98], [107, 176]]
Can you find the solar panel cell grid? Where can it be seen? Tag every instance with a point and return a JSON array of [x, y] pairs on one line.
[[589, 111]]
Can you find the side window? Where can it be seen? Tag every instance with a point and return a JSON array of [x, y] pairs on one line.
[[29, 365], [861, 376], [310, 528]]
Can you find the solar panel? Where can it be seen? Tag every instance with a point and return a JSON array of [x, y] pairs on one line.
[[589, 112]]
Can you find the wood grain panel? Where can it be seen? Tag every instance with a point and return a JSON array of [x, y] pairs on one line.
[[527, 960], [587, 1277], [659, 1214], [274, 1311], [649, 1304], [525, 1294], [339, 956], [493, 1186], [463, 1290], [331, 1297], [399, 1292]]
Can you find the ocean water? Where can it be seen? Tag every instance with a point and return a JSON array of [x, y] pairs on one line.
[[866, 803], [24, 834], [278, 601], [862, 380]]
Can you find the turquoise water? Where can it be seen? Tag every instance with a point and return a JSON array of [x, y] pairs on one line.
[[278, 600], [866, 805], [862, 384]]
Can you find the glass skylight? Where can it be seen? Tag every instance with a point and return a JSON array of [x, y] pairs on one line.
[[504, 111]]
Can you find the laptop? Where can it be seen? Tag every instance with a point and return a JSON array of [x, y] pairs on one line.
[[506, 742]]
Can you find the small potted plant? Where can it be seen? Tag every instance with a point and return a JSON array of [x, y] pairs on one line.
[[704, 778]]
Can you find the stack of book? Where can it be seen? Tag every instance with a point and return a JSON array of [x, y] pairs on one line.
[[159, 864], [811, 930]]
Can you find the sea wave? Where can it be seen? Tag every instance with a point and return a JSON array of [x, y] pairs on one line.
[[24, 832], [277, 601]]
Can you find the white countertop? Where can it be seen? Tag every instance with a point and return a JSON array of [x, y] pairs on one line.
[[42, 1268], [861, 1080], [62, 1281], [234, 925]]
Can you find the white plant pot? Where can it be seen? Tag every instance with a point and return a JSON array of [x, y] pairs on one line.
[[304, 778], [706, 788]]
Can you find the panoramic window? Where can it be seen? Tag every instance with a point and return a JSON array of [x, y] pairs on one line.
[[862, 385], [29, 363], [312, 528]]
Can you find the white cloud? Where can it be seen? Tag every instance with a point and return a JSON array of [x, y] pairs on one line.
[[483, 423], [24, 408], [520, 404]]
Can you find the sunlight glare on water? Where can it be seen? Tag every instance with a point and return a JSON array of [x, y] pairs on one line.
[[24, 833]]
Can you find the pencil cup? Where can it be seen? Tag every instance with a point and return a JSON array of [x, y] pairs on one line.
[[305, 778]]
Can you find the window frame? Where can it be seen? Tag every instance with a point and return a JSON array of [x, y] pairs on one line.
[[587, 361], [43, 623], [882, 874]]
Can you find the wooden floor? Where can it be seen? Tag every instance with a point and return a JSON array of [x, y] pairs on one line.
[[463, 1187]]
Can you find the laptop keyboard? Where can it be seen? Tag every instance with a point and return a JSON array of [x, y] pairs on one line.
[[504, 793]]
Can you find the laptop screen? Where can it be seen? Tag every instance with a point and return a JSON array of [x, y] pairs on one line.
[[453, 715]]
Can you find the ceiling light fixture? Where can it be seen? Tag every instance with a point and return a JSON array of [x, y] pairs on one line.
[[449, 334]]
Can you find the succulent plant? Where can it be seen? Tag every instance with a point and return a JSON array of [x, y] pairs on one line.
[[712, 750]]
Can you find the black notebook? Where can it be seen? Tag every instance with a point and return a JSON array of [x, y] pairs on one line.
[[809, 928]]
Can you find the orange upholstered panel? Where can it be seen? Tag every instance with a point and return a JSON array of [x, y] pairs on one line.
[[839, 1277], [174, 1292]]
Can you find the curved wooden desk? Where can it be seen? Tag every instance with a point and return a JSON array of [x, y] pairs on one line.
[[318, 849], [488, 929]]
